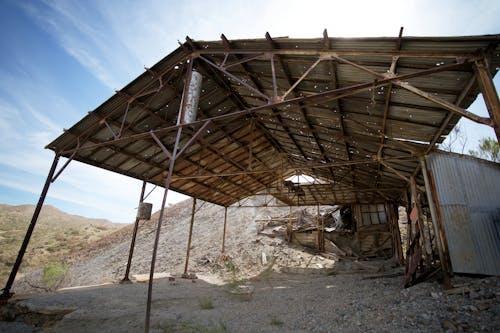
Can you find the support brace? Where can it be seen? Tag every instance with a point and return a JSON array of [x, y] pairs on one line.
[[489, 94]]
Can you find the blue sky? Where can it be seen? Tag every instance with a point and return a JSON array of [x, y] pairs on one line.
[[60, 59]]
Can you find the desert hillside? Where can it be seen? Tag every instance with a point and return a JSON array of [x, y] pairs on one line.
[[107, 258], [57, 234], [247, 253]]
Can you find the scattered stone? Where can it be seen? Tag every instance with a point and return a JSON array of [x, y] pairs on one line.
[[462, 290], [448, 325], [425, 316], [471, 308], [474, 295], [483, 305], [435, 295], [145, 277]]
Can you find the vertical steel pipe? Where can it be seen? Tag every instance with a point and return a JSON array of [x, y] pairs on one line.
[[224, 232], [189, 237], [318, 227], [134, 235], [158, 229], [6, 294]]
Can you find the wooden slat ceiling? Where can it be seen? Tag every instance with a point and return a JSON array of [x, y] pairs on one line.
[[354, 114]]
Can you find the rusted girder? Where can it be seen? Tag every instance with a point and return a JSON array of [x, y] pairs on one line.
[[6, 294]]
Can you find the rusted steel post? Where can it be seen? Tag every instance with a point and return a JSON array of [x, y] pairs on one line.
[[190, 236], [158, 229], [437, 235], [319, 227], [224, 232], [168, 180], [6, 294], [134, 235], [290, 225], [489, 94]]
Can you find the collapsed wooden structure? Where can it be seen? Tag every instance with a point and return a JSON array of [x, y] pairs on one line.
[[224, 120]]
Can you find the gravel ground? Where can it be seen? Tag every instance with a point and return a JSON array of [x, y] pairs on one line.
[[269, 303], [242, 293]]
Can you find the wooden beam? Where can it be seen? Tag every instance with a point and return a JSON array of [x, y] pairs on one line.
[[445, 104], [450, 115], [489, 93]]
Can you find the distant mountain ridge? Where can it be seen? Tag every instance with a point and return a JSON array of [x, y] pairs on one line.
[[56, 235]]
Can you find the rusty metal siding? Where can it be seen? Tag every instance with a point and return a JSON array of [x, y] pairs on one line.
[[468, 190]]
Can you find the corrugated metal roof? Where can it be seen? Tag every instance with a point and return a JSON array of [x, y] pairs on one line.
[[468, 190], [346, 122]]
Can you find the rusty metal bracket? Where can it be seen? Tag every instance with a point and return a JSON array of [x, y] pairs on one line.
[[195, 136], [67, 162], [162, 146], [237, 79]]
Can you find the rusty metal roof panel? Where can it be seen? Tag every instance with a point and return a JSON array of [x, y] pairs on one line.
[[237, 76]]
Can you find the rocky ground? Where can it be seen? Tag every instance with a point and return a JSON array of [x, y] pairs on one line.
[[276, 302], [260, 284]]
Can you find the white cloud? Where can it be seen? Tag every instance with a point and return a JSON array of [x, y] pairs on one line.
[[85, 36]]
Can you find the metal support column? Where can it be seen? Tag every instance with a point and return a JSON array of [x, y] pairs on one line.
[[134, 235], [158, 229], [318, 226], [437, 236], [224, 232], [189, 238], [191, 94], [489, 94], [6, 294]]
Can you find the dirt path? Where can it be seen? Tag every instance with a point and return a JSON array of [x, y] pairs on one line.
[[272, 303]]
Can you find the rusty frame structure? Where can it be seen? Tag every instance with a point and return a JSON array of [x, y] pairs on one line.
[[358, 115]]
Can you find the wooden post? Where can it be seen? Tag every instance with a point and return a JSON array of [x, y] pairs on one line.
[[392, 210], [419, 223], [439, 225], [189, 238], [224, 232], [489, 94]]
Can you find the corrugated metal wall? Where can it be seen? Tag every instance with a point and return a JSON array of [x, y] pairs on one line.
[[469, 196]]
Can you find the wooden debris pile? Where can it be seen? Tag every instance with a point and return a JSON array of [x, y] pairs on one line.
[[333, 232]]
